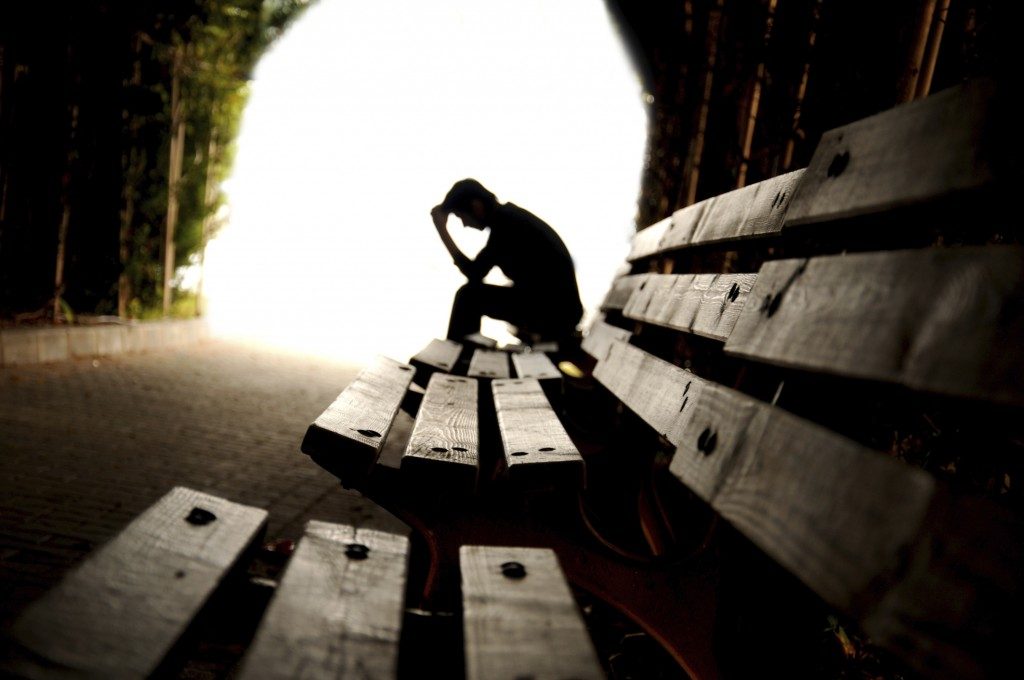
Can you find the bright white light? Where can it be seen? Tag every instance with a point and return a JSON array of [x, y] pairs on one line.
[[360, 120]]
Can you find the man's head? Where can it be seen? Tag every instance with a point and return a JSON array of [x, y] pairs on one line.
[[470, 202]]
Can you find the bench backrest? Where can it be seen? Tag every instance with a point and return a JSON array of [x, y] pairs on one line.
[[775, 366]]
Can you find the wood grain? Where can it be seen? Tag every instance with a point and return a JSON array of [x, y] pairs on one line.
[[647, 242], [446, 437], [118, 613], [600, 337], [526, 627], [534, 440], [535, 365], [488, 363], [704, 304], [438, 355], [923, 571], [622, 288], [652, 388], [910, 154], [346, 438], [754, 211], [832, 512], [942, 319], [334, 615]]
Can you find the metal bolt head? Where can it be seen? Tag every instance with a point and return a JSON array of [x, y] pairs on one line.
[[838, 164], [356, 551], [200, 517], [707, 441], [513, 570]]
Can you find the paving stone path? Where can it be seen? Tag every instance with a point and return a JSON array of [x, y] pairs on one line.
[[87, 445]]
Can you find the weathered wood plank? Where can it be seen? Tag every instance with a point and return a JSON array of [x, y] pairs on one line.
[[118, 613], [910, 154], [438, 355], [942, 319], [488, 363], [535, 442], [446, 438], [534, 365], [922, 571], [872, 536], [346, 438], [652, 388], [600, 337], [338, 609], [832, 512], [704, 304], [519, 617], [647, 242], [753, 211], [622, 288]]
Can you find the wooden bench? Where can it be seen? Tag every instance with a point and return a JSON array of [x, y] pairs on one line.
[[812, 357], [130, 609], [795, 425]]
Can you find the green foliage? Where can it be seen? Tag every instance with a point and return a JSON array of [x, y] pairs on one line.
[[220, 43]]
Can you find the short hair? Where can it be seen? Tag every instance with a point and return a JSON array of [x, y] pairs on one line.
[[462, 194]]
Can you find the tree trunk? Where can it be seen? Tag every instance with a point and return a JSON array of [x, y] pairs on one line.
[[65, 219], [924, 82], [915, 53], [801, 91], [755, 100], [133, 170], [697, 145], [209, 195], [175, 161]]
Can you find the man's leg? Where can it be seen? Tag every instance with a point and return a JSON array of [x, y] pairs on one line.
[[475, 300]]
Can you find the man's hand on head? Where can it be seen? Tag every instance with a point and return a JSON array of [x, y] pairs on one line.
[[440, 216]]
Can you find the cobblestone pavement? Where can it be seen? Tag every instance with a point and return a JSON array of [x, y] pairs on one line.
[[85, 446]]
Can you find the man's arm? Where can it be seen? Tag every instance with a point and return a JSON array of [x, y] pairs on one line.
[[470, 268]]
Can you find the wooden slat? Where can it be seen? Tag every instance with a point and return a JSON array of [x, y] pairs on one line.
[[754, 211], [525, 625], [910, 154], [338, 609], [704, 304], [600, 337], [654, 389], [488, 363], [534, 440], [119, 612], [438, 355], [874, 537], [346, 439], [832, 512], [446, 438], [534, 365], [646, 242], [622, 288], [942, 319], [481, 340]]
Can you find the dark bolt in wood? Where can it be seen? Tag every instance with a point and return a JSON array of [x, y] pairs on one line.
[[369, 433], [200, 517], [513, 570], [838, 164], [734, 292], [356, 551], [707, 441]]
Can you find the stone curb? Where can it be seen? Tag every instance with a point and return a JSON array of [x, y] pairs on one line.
[[20, 346]]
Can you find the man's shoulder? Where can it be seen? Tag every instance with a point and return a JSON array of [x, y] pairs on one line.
[[512, 213]]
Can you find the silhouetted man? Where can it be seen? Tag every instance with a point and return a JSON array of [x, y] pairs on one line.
[[543, 300]]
